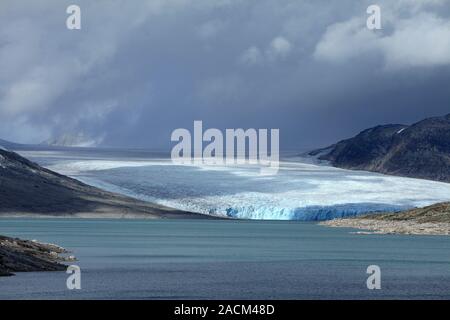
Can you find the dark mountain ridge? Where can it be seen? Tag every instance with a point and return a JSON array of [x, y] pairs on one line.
[[421, 150]]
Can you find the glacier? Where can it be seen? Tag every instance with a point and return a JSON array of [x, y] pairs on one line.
[[302, 189]]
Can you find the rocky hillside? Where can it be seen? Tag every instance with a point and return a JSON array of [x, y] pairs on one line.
[[421, 150], [26, 189], [437, 213]]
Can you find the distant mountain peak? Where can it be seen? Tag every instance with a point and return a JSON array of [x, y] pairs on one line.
[[73, 140], [7, 145]]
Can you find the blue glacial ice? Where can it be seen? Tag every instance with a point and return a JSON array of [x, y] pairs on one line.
[[300, 190]]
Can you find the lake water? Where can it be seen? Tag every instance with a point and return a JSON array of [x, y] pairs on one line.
[[191, 259]]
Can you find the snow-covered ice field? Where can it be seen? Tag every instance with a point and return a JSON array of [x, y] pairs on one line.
[[300, 190]]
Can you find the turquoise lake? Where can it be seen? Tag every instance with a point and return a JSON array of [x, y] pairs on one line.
[[191, 259]]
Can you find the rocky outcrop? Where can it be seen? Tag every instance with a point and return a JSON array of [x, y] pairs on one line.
[[421, 150], [24, 256]]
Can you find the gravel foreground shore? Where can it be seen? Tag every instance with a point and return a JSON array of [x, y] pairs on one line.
[[391, 227], [431, 220]]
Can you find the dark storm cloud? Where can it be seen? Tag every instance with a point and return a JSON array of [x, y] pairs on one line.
[[139, 69]]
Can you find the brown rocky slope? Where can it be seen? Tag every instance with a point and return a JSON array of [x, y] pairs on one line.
[[27, 189]]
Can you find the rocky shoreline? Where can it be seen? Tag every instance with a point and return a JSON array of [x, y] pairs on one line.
[[18, 255], [371, 226], [431, 220]]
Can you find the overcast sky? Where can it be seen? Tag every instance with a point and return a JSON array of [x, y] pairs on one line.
[[137, 70]]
